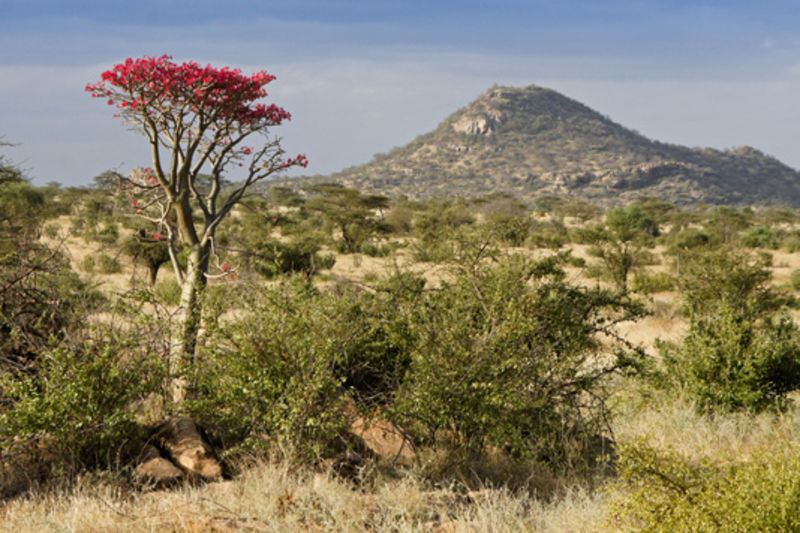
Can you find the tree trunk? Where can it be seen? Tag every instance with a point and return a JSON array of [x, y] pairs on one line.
[[152, 269], [184, 339]]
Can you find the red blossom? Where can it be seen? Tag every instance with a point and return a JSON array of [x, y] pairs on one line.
[[158, 82], [199, 111], [301, 161]]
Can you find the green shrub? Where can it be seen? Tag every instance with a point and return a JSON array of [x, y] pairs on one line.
[[399, 218], [552, 235], [271, 257], [791, 242], [326, 261], [279, 374], [349, 217], [78, 408], [511, 228], [794, 279], [500, 360], [742, 351], [51, 231], [108, 265], [77, 225], [576, 261], [151, 252], [435, 229], [647, 258], [661, 491], [41, 298], [734, 360], [736, 276], [108, 235], [87, 264], [686, 239], [375, 250], [167, 292], [267, 378], [594, 272], [432, 250], [725, 223], [648, 283], [620, 243], [761, 237]]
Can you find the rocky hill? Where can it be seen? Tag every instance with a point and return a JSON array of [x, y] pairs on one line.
[[531, 141]]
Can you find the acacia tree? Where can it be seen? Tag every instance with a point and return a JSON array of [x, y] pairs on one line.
[[620, 240], [352, 213], [196, 120], [151, 251]]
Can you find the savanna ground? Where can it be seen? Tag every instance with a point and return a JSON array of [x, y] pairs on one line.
[[683, 454]]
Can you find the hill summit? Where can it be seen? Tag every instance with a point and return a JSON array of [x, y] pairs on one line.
[[532, 141]]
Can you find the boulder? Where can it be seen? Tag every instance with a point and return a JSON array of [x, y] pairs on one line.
[[470, 125]]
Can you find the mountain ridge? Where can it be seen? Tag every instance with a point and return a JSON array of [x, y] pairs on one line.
[[530, 141]]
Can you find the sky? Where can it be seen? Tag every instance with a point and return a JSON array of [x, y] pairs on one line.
[[361, 77]]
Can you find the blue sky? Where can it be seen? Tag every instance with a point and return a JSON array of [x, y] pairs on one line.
[[363, 76]]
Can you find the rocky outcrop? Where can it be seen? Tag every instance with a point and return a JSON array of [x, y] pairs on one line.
[[474, 126]]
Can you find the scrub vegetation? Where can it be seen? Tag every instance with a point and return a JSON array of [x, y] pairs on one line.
[[386, 364]]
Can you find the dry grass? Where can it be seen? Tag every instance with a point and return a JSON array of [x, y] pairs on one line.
[[77, 249], [671, 421], [273, 497], [783, 264], [277, 497]]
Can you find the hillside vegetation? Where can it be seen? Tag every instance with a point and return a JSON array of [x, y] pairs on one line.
[[531, 141]]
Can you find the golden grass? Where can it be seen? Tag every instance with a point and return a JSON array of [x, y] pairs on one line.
[[273, 497], [77, 249], [670, 420]]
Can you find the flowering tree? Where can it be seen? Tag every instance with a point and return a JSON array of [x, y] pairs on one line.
[[196, 120]]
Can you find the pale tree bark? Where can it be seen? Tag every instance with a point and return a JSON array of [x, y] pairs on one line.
[[185, 336]]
